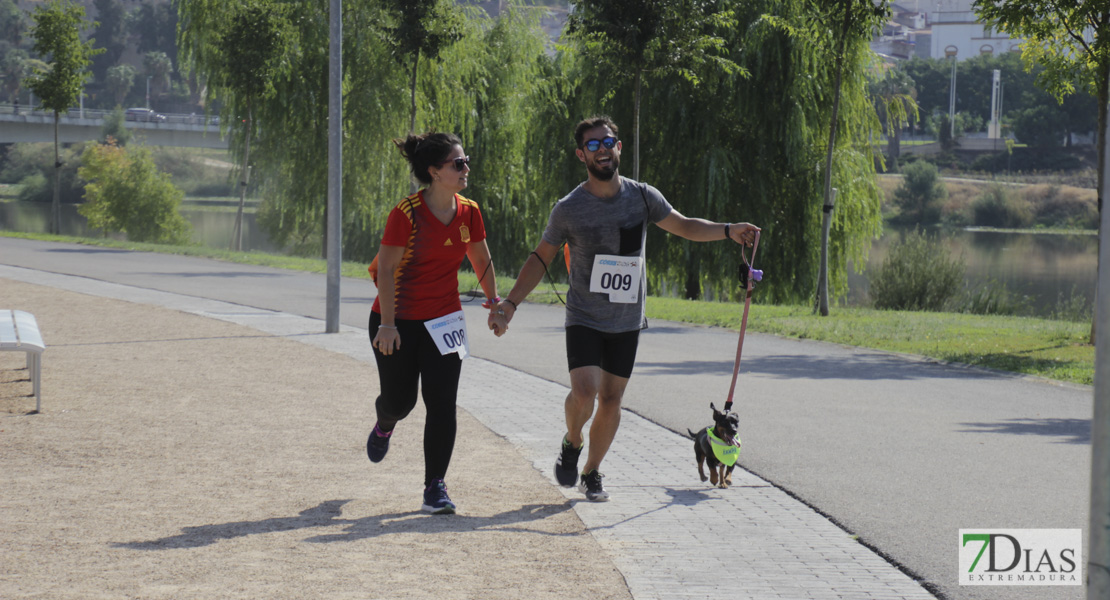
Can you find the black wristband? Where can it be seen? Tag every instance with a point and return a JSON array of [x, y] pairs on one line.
[[727, 225], [511, 302]]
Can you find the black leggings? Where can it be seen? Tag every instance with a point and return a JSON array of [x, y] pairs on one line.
[[419, 361]]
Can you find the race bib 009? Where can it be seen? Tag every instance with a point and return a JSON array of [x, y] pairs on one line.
[[618, 276]]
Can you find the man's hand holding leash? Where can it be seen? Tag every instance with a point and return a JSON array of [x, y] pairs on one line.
[[741, 233]]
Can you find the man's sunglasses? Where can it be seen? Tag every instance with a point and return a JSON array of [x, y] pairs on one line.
[[595, 145], [460, 163]]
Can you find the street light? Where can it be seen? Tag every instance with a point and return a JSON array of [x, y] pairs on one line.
[[148, 90], [952, 101]]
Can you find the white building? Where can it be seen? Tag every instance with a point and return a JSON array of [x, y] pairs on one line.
[[958, 32], [939, 29]]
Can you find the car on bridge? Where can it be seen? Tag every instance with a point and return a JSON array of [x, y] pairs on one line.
[[145, 115]]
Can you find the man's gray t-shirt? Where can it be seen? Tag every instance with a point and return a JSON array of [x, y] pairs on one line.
[[592, 226]]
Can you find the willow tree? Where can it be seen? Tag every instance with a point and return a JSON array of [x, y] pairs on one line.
[[892, 92], [634, 39], [483, 96], [495, 105], [854, 22], [750, 147], [420, 28], [253, 48], [57, 36]]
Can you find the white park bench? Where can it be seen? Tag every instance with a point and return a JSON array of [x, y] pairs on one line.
[[19, 331]]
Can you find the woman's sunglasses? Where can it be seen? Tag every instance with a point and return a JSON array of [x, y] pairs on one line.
[[460, 163], [594, 145]]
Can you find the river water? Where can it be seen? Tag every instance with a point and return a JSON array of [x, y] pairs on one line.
[[1047, 268], [210, 228]]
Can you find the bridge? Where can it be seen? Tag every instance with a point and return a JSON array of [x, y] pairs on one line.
[[80, 125]]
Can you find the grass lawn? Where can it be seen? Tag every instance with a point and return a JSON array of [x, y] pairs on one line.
[[1042, 347]]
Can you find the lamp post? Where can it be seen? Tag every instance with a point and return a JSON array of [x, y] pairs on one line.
[[952, 102], [334, 226], [148, 90]]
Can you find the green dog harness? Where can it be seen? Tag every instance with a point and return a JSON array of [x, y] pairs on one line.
[[725, 452]]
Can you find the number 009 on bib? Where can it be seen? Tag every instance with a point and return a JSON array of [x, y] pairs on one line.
[[618, 276]]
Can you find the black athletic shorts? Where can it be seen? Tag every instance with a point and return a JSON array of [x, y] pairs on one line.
[[614, 352]]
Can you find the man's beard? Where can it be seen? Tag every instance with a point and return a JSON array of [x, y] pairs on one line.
[[604, 173]]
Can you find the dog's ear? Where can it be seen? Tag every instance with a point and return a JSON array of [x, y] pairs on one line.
[[711, 405]]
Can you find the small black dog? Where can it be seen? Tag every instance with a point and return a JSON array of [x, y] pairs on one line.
[[726, 425]]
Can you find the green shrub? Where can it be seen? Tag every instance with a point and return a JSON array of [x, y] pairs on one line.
[[1075, 308], [995, 298], [921, 193], [34, 186], [195, 175], [999, 208], [1056, 207], [127, 193], [917, 275], [21, 161], [28, 161], [1028, 160], [115, 127], [1041, 126]]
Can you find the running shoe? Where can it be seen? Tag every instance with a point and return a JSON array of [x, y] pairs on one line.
[[436, 500], [377, 444], [591, 486], [566, 466]]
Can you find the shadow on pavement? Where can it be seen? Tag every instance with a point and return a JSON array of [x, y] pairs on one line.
[[329, 514], [1074, 431]]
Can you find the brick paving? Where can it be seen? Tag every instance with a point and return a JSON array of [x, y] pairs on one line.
[[671, 536]]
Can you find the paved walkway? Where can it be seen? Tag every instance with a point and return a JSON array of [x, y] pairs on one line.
[[670, 536]]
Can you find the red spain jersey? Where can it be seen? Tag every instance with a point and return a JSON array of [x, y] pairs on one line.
[[426, 285]]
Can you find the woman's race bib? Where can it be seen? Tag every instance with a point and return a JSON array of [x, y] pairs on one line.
[[618, 276], [449, 334]]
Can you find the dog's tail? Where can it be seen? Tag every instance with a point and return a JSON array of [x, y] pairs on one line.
[[693, 435]]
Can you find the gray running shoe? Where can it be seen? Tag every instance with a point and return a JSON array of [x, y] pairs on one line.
[[591, 486]]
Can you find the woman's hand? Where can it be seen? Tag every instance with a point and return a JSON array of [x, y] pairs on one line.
[[388, 340], [499, 316], [497, 322]]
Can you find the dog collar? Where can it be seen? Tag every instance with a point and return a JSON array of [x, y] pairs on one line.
[[725, 452]]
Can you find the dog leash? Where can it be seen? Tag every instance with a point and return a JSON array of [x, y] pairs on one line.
[[748, 277]]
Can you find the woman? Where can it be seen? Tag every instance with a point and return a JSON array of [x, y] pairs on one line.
[[416, 324]]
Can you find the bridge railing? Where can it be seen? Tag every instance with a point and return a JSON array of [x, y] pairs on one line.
[[97, 114]]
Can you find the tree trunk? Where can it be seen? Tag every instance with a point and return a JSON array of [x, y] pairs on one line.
[[823, 275], [412, 107], [894, 147], [244, 178], [636, 133], [412, 93], [693, 276], [56, 205]]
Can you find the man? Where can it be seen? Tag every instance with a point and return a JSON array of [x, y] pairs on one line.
[[604, 223]]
